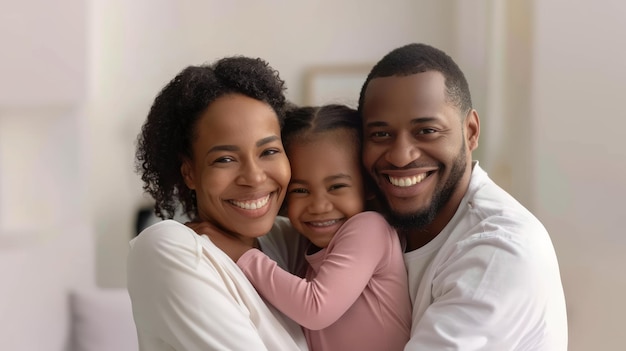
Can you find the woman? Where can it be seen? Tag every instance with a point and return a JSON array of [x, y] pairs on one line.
[[211, 145]]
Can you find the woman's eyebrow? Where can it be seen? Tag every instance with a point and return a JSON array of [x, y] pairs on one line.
[[259, 143], [223, 148], [266, 140]]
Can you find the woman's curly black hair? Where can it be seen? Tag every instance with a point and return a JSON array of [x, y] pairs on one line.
[[167, 135]]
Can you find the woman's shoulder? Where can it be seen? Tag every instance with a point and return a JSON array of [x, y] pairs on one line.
[[285, 245], [164, 235], [281, 231], [162, 228]]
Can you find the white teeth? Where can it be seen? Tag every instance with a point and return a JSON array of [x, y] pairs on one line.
[[324, 224], [407, 181], [251, 205]]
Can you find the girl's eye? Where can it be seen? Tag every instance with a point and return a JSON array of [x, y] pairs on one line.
[[298, 191], [337, 186]]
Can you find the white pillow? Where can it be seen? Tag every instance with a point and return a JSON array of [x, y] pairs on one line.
[[102, 320]]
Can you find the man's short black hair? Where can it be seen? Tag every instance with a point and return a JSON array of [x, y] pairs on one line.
[[417, 58]]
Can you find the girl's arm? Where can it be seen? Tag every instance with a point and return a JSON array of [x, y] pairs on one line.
[[282, 244], [354, 255]]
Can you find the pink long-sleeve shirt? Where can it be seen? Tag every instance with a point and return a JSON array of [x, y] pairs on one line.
[[355, 295]]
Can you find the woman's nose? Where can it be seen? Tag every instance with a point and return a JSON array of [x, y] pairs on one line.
[[252, 174]]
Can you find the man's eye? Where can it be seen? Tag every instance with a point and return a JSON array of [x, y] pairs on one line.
[[427, 131], [379, 135]]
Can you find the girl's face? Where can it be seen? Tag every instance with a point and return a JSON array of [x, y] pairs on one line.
[[326, 186], [239, 169]]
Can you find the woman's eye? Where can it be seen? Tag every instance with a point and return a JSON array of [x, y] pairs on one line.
[[225, 159], [270, 152]]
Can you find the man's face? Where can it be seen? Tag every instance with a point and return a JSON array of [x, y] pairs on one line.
[[417, 147]]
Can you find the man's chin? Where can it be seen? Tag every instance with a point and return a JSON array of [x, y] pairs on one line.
[[410, 220], [405, 214]]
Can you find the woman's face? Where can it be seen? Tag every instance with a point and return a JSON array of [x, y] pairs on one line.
[[239, 169]]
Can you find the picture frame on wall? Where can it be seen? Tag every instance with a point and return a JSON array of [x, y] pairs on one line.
[[335, 84]]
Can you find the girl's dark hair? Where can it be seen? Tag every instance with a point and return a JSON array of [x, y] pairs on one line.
[[302, 123], [167, 135]]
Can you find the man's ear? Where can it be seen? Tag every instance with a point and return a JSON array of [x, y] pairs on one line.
[[186, 169], [372, 203], [472, 129]]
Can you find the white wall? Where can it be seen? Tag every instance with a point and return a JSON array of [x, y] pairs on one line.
[[554, 135], [42, 66], [579, 158], [43, 211]]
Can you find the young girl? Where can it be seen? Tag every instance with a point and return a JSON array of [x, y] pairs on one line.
[[354, 295]]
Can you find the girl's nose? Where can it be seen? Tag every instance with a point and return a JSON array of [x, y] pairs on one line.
[[319, 204]]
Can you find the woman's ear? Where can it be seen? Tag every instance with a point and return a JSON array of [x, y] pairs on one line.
[[186, 169], [283, 208]]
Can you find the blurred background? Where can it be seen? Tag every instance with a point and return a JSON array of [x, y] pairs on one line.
[[77, 78]]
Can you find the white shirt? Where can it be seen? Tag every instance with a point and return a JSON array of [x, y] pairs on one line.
[[489, 281], [188, 295]]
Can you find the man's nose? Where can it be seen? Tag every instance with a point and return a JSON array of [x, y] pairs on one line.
[[403, 151]]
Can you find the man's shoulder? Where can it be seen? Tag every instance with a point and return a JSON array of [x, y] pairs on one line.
[[492, 210], [487, 199], [488, 210]]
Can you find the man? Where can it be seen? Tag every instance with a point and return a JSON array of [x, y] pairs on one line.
[[483, 273]]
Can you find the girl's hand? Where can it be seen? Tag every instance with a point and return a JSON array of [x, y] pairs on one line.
[[232, 246]]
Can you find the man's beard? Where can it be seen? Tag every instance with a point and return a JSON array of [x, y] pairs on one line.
[[419, 219]]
